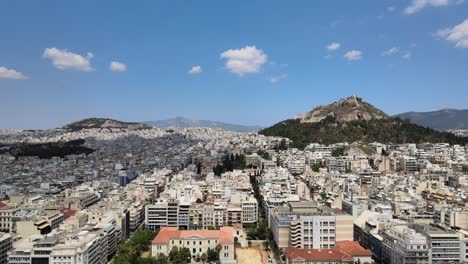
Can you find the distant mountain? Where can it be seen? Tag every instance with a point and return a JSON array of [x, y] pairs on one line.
[[186, 122], [352, 120], [104, 123], [442, 119]]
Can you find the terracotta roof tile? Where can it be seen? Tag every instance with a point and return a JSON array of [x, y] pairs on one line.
[[344, 251], [225, 235], [352, 247]]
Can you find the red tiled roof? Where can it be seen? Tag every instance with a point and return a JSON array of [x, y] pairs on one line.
[[344, 250], [352, 247], [237, 225], [67, 213], [2, 205], [225, 235]]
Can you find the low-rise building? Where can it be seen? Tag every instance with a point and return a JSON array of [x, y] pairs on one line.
[[197, 241]]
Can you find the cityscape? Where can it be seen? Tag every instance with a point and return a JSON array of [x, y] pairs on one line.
[[243, 166]]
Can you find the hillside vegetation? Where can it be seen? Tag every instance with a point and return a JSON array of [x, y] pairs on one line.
[[385, 130]]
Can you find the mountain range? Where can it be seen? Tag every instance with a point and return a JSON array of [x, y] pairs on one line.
[[354, 120], [186, 122], [441, 120]]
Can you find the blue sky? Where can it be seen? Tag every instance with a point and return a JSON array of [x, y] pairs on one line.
[[248, 62]]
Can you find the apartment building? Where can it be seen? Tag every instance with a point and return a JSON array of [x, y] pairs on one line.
[[296, 166], [354, 207], [6, 215], [200, 216], [136, 216], [305, 225], [444, 243], [5, 246], [249, 213], [197, 241], [403, 245], [80, 200], [408, 164], [81, 248]]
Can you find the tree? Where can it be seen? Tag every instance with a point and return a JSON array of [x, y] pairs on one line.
[[203, 257], [143, 260], [212, 255], [252, 233], [162, 259]]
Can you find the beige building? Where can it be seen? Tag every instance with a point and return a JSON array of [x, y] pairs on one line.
[[197, 241], [6, 213]]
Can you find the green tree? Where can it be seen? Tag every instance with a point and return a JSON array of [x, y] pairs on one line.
[[204, 257], [162, 259], [212, 255]]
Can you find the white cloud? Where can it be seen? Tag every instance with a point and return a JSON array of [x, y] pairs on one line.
[[458, 34], [245, 60], [418, 5], [278, 78], [117, 66], [63, 59], [333, 46], [195, 70], [391, 51], [353, 55], [406, 55], [6, 73]]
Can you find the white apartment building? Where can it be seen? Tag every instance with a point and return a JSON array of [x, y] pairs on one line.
[[200, 216], [402, 245], [249, 211], [304, 225], [296, 166], [167, 213], [83, 248], [444, 243]]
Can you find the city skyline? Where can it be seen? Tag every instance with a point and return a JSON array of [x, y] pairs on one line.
[[208, 60]]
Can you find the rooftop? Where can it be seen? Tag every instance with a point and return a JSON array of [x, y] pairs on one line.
[[225, 234]]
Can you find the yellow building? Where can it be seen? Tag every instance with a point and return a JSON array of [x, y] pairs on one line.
[[197, 241]]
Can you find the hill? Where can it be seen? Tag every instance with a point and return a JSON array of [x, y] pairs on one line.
[[104, 123], [442, 119], [351, 108], [186, 122], [346, 121]]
